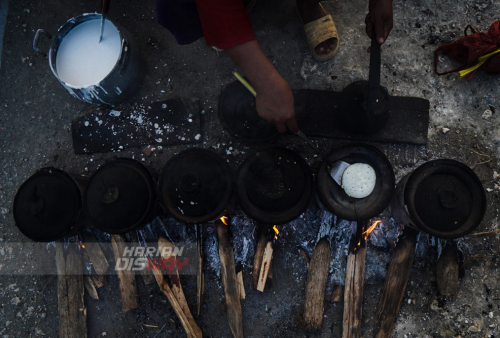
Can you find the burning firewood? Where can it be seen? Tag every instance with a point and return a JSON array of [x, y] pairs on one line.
[[259, 253], [311, 315], [239, 279], [128, 287], [448, 271], [70, 290], [262, 264], [395, 283], [94, 251], [147, 275], [355, 275], [175, 284], [228, 276]]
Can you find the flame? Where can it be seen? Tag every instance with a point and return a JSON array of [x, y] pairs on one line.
[[370, 229], [83, 245], [275, 228], [224, 219]]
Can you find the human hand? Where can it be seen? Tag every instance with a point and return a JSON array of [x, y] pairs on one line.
[[275, 103], [379, 19]]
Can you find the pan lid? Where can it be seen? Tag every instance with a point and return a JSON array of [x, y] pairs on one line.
[[47, 205], [239, 115], [335, 199], [120, 196], [196, 186], [445, 198], [274, 186]]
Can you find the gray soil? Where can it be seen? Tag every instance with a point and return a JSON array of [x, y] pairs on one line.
[[36, 114]]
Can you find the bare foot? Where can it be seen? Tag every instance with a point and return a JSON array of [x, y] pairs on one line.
[[309, 11]]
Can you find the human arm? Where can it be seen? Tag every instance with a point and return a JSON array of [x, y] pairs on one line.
[[274, 100], [379, 19]]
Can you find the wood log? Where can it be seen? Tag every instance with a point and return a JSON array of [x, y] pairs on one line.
[[90, 286], [126, 279], [337, 294], [167, 252], [163, 284], [70, 292], [147, 275], [395, 283], [267, 258], [448, 271], [311, 315], [353, 293], [262, 231], [94, 251], [199, 273], [228, 276]]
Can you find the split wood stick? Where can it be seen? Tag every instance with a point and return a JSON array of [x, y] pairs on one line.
[[70, 291], [262, 231], [266, 264], [239, 279], [199, 274], [395, 283], [311, 315], [448, 271], [228, 276], [147, 275], [337, 294], [353, 293], [167, 249], [91, 287], [94, 251], [99, 281], [162, 283], [128, 287]]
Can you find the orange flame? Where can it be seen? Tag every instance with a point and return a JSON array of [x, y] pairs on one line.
[[370, 229], [366, 233], [83, 245], [275, 228], [224, 219]]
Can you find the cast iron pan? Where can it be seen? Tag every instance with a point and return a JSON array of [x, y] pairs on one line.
[[445, 198], [120, 196], [196, 186], [274, 186], [334, 198], [47, 205], [240, 118]]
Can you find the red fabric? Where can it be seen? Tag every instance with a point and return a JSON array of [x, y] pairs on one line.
[[469, 48], [225, 23]]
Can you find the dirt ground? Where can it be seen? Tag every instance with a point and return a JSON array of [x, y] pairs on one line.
[[36, 114]]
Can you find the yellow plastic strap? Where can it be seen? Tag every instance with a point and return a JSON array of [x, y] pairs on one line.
[[481, 61], [245, 83]]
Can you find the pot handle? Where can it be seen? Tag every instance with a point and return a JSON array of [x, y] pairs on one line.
[[37, 37], [125, 60]]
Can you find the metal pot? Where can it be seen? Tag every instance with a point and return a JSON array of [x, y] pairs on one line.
[[444, 198], [48, 205], [123, 79]]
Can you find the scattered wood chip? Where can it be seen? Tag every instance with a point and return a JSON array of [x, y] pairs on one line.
[[149, 325], [485, 233]]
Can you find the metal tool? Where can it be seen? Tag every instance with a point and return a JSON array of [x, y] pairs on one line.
[[104, 10], [335, 169]]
